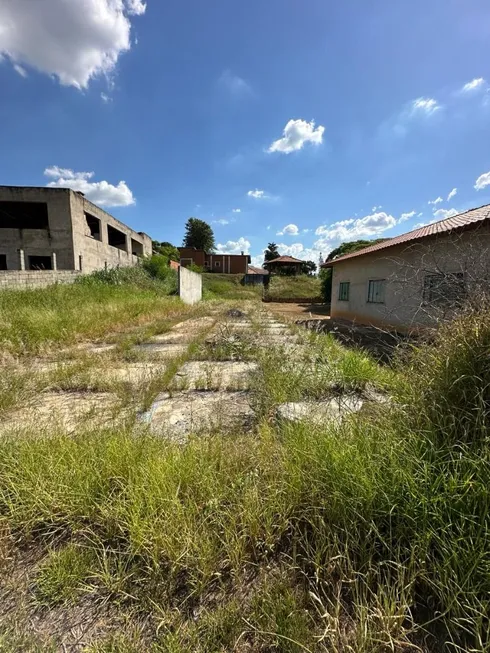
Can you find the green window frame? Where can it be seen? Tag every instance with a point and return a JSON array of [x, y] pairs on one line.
[[344, 289], [376, 291]]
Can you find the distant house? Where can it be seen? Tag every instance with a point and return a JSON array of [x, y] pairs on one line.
[[417, 278], [284, 265], [256, 276], [224, 263]]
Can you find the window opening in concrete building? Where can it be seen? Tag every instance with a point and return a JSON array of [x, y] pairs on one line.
[[93, 224], [116, 238], [40, 263], [217, 264], [24, 215], [3, 261], [136, 248]]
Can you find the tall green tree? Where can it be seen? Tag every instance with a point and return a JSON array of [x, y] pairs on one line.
[[350, 248], [166, 249], [308, 267], [271, 252], [199, 234]]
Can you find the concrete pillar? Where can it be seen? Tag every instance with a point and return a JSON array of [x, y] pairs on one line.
[[54, 263], [22, 260]]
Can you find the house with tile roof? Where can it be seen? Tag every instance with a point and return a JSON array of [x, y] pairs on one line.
[[284, 265], [417, 278]]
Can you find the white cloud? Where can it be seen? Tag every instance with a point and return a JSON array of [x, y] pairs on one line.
[[298, 250], [452, 194], [475, 84], [296, 134], [257, 194], [105, 98], [234, 246], [136, 7], [482, 181], [18, 69], [442, 214], [419, 215], [268, 227], [236, 210], [72, 41], [438, 200], [370, 225], [236, 85], [425, 106], [99, 192], [289, 230], [406, 216], [221, 221]]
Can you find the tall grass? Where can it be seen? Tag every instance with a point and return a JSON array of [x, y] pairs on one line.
[[228, 286], [59, 314], [302, 286], [369, 536]]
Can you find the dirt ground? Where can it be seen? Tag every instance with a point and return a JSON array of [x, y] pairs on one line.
[[299, 311]]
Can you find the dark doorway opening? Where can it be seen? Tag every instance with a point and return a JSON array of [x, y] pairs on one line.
[[24, 215], [116, 238], [3, 261], [40, 263]]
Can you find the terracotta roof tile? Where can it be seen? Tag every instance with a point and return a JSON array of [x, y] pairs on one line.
[[252, 269], [457, 222], [285, 259]]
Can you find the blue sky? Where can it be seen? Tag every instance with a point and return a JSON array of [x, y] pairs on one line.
[[304, 123]]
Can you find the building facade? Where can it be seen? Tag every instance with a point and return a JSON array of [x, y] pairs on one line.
[[223, 263], [59, 229], [418, 278]]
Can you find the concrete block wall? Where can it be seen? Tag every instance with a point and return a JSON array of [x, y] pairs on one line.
[[22, 279], [98, 254], [190, 286], [39, 242]]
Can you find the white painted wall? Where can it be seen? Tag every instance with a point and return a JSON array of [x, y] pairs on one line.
[[190, 286]]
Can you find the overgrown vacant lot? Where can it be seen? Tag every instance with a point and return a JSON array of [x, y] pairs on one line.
[[367, 533], [301, 286]]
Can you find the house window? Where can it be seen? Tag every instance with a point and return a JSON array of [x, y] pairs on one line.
[[376, 291], [444, 288], [344, 287], [217, 264], [3, 261]]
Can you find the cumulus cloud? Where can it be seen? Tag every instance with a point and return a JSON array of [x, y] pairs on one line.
[[71, 42], [234, 84], [370, 225], [99, 192], [289, 230], [257, 194], [236, 210], [452, 194], [474, 85], [442, 214], [438, 200], [234, 246], [424, 106], [406, 216], [296, 133], [482, 181]]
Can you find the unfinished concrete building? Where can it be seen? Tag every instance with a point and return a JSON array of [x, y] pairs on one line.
[[59, 229]]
